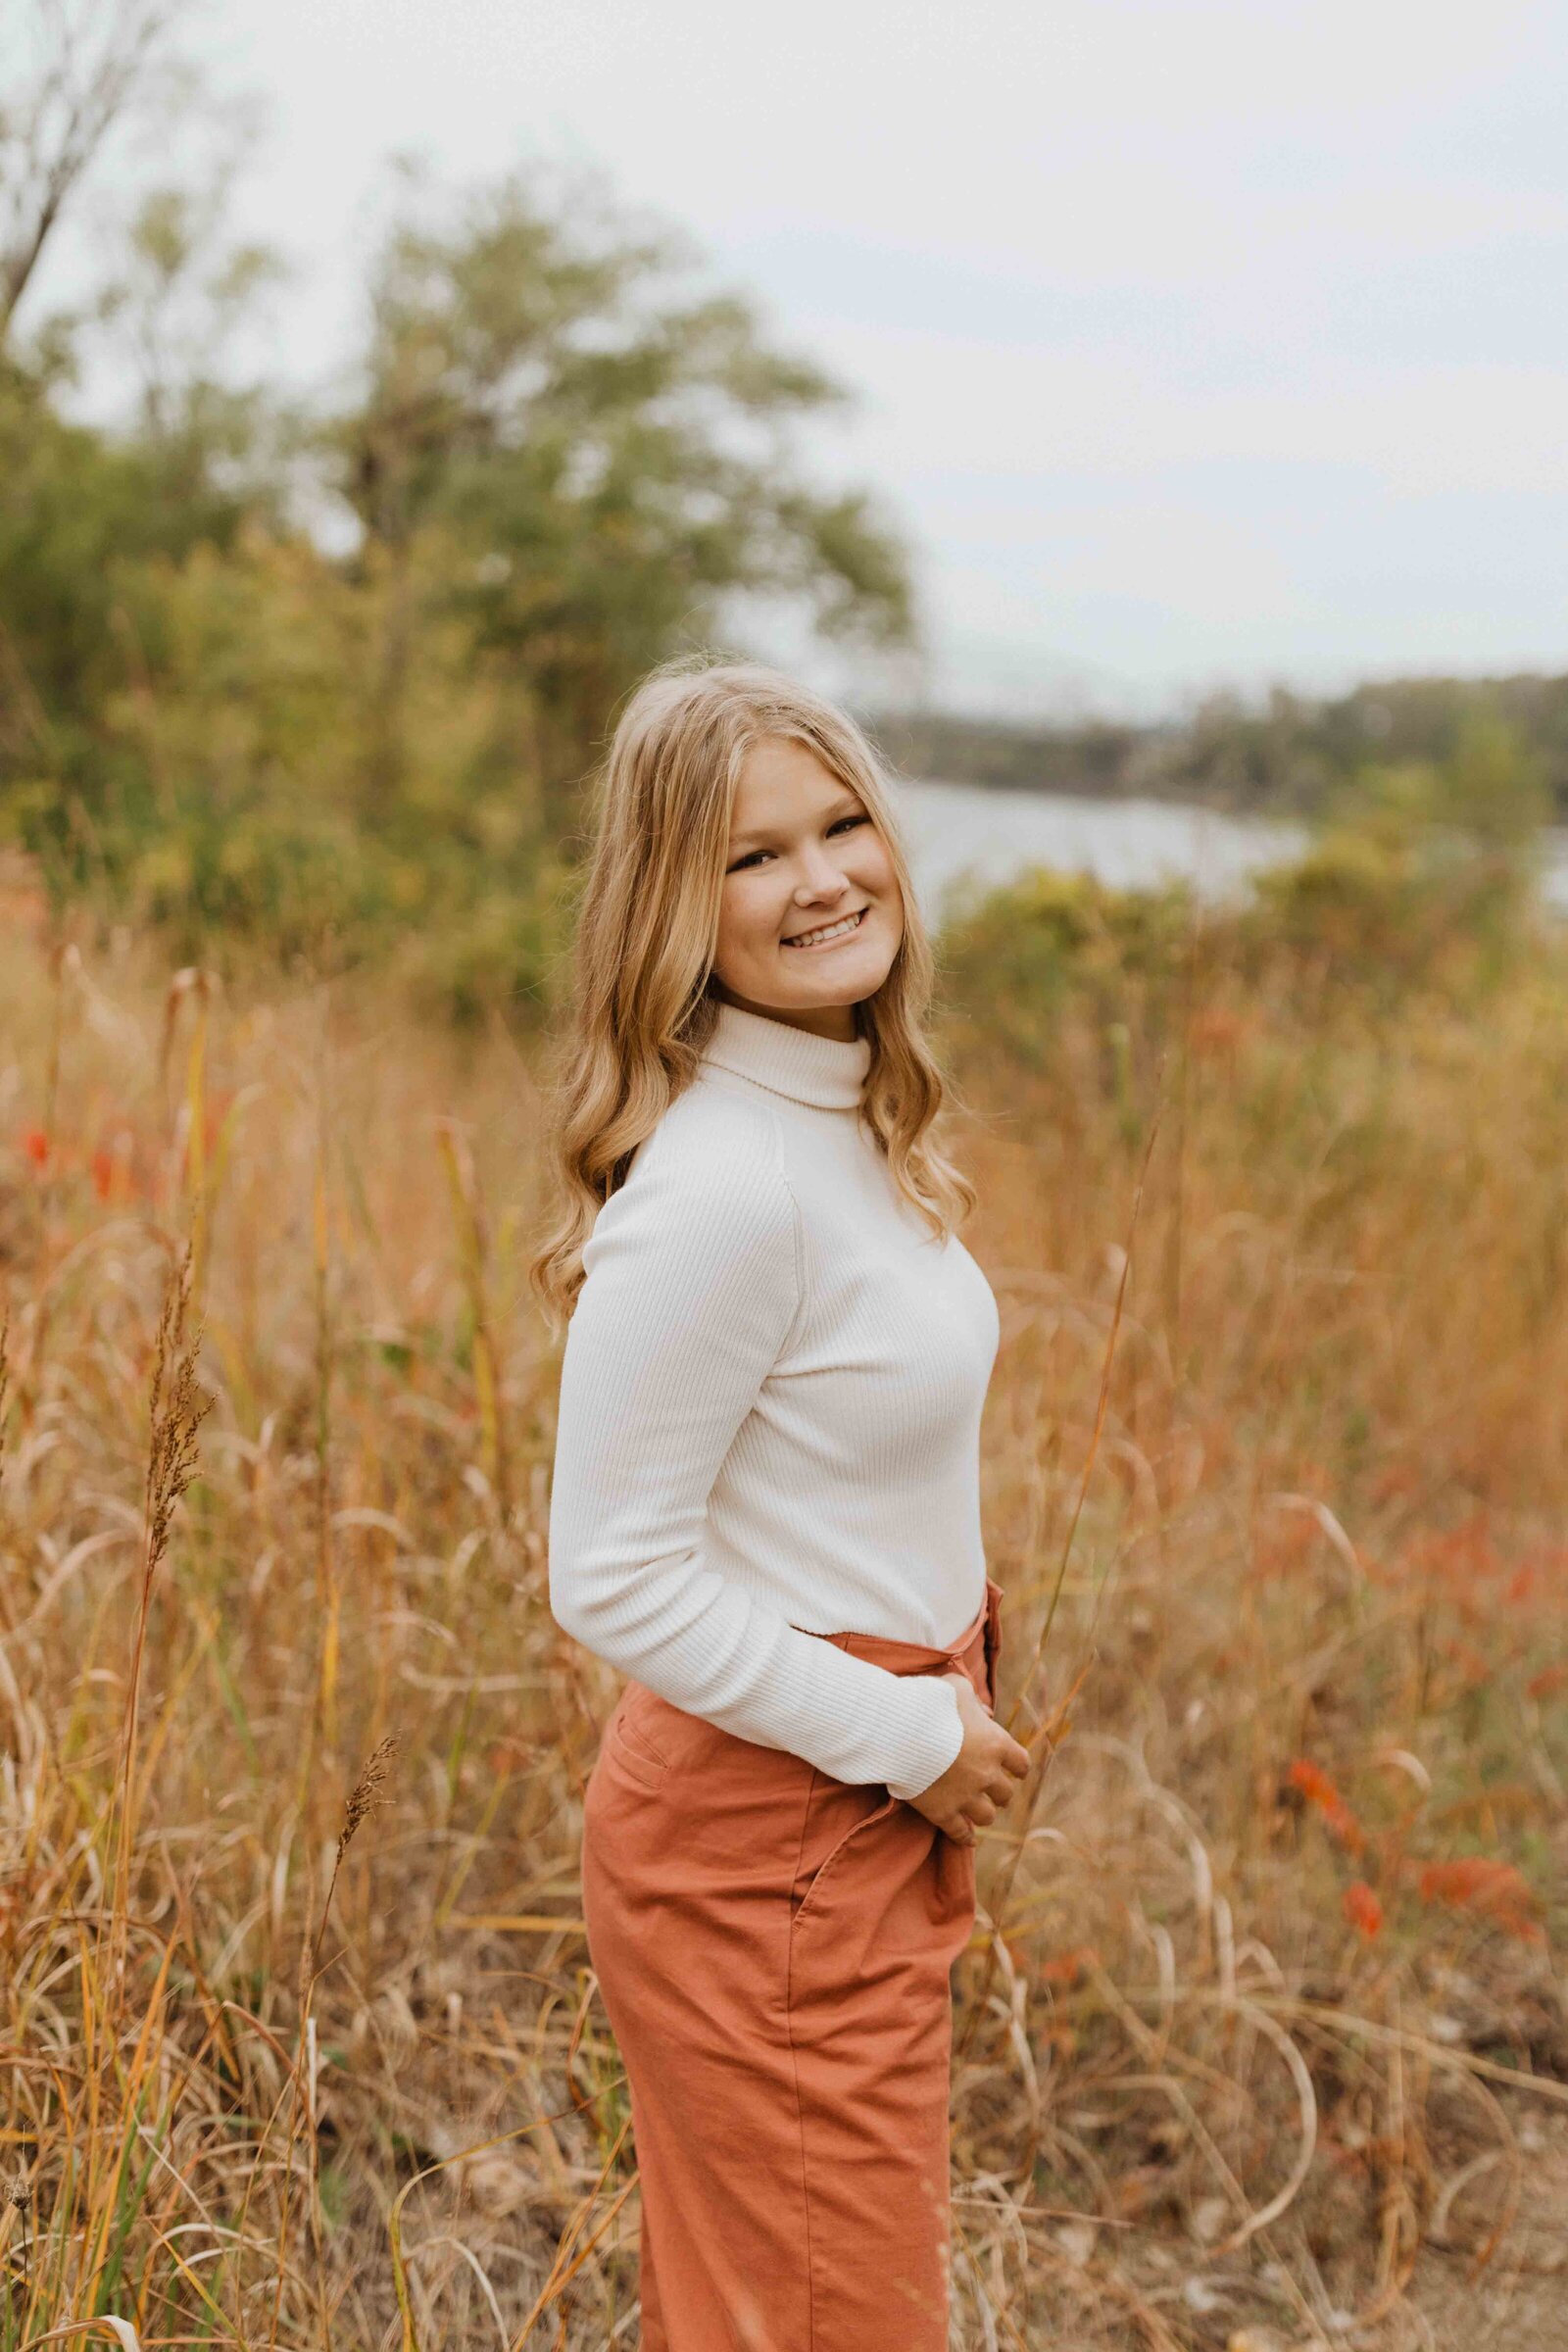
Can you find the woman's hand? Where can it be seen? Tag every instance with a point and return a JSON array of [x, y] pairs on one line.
[[982, 1776]]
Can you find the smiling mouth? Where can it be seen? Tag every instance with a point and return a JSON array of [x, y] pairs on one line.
[[828, 935]]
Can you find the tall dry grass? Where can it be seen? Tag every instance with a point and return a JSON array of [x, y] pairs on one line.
[[1260, 2041]]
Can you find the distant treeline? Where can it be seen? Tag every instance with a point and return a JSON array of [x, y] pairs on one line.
[[1284, 758]]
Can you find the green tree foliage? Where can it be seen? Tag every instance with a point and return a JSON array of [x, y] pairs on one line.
[[560, 454], [602, 452], [560, 464], [1420, 867]]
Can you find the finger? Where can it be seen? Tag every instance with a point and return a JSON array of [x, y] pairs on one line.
[[1012, 1759], [980, 1809]]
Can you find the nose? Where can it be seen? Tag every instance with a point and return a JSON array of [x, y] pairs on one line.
[[820, 877]]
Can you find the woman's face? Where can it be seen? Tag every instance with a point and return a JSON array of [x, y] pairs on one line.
[[804, 854]]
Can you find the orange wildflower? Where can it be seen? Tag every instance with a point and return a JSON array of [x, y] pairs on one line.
[[113, 1167], [1497, 1890], [1218, 1029], [1363, 1910], [1311, 1782], [1069, 1967], [35, 1146]]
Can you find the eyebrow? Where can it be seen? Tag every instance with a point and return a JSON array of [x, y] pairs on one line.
[[846, 802]]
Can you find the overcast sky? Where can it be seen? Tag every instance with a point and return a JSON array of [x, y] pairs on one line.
[[1197, 344]]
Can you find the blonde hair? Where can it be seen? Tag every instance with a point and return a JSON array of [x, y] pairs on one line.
[[642, 960]]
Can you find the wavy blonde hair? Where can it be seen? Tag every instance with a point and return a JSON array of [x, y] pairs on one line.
[[641, 1005]]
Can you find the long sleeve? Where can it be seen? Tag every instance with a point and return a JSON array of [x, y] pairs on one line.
[[693, 1281]]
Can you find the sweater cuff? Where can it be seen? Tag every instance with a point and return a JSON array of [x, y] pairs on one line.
[[924, 1731]]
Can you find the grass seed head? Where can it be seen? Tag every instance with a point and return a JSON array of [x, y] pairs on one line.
[[365, 1796]]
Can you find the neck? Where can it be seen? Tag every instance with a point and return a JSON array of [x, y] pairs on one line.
[[828, 1072]]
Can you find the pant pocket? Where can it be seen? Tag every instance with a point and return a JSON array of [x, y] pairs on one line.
[[628, 1745], [811, 1900]]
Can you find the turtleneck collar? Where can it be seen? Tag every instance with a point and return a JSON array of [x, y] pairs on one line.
[[820, 1070]]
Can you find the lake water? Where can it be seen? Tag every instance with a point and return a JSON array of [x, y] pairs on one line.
[[956, 828]]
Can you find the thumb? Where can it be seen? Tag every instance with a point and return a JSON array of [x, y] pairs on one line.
[[963, 1682]]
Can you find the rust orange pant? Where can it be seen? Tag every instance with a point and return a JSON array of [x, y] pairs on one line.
[[773, 1948]]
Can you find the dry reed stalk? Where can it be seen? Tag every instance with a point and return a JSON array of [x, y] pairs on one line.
[[176, 1415], [198, 986], [64, 963], [1054, 1725], [563, 2272], [327, 1598], [400, 2256], [322, 1720], [469, 1219], [7, 1621], [124, 2333], [1367, 1238], [363, 1799], [13, 2215]]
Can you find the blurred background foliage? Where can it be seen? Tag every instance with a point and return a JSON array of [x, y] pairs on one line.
[[324, 680], [319, 680], [1420, 881]]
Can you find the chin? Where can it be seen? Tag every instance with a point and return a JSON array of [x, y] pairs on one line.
[[841, 988]]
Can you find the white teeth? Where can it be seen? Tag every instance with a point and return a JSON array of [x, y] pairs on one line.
[[811, 939]]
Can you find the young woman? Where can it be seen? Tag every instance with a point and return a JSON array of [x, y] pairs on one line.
[[766, 1511]]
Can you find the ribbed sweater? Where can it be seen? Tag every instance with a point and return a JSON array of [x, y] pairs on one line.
[[769, 1418]]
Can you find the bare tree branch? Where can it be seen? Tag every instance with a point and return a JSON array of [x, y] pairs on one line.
[[91, 66]]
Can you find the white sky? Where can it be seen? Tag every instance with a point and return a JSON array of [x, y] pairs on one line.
[[1198, 343]]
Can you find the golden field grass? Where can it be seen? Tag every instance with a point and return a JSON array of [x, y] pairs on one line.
[[1261, 2038]]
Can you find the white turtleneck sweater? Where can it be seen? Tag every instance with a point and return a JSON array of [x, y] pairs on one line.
[[769, 1418]]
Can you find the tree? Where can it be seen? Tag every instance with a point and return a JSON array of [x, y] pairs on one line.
[[564, 462], [84, 67], [85, 510], [605, 448]]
